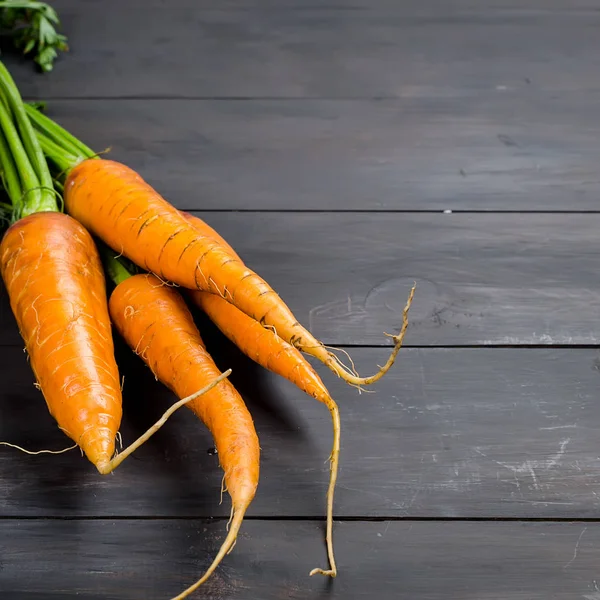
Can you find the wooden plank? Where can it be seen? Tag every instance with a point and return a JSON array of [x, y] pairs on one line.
[[435, 561], [135, 49], [407, 7], [525, 152], [487, 433], [482, 279]]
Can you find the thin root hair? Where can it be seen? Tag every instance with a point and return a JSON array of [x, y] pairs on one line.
[[112, 464], [38, 451]]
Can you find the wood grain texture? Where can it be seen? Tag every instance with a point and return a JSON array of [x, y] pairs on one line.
[[496, 433], [128, 560], [481, 279], [526, 152], [448, 49]]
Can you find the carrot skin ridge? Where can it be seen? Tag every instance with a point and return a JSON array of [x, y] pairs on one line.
[[156, 323]]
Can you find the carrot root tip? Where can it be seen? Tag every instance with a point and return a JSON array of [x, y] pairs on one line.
[[345, 373], [225, 549], [328, 573], [105, 467]]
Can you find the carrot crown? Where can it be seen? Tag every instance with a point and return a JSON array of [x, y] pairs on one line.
[[25, 173]]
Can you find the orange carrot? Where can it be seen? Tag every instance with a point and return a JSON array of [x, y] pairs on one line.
[[55, 283], [206, 230], [52, 271], [156, 323], [119, 207], [276, 355], [53, 275]]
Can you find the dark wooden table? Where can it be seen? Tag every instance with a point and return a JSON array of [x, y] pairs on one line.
[[346, 148]]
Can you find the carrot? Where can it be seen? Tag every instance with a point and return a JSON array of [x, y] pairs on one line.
[[53, 275], [119, 207], [207, 231], [276, 355], [157, 324]]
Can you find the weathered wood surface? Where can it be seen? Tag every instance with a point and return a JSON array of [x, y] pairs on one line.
[[498, 433], [346, 109], [481, 279], [520, 152], [167, 50], [128, 560]]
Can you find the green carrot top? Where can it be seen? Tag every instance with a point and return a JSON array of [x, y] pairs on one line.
[[32, 25], [58, 145], [25, 172]]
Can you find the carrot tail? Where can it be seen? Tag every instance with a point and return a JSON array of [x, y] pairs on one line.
[[275, 354], [110, 466], [318, 350], [334, 460], [226, 547], [333, 362]]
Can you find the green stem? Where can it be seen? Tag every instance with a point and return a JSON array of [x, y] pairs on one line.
[[59, 135], [19, 155], [36, 185], [10, 176], [32, 146], [56, 154], [116, 270]]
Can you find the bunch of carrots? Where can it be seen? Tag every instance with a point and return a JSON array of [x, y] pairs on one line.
[[90, 245]]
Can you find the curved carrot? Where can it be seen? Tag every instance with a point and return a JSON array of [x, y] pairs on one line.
[[156, 323], [56, 288], [119, 207], [276, 355]]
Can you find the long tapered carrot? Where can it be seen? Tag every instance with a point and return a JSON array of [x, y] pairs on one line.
[[119, 207], [276, 355], [53, 276], [156, 323], [268, 350]]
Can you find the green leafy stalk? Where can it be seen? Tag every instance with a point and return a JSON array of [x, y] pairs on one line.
[[10, 176], [57, 155], [27, 158], [15, 102], [32, 25], [56, 133]]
